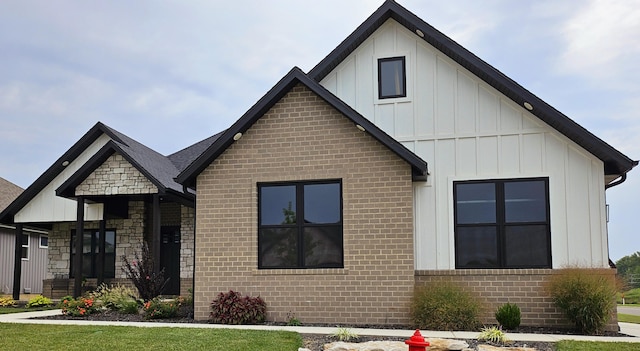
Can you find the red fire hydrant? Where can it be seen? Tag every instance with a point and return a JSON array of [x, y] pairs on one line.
[[417, 342]]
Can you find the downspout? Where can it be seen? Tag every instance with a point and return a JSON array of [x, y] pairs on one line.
[[623, 177]]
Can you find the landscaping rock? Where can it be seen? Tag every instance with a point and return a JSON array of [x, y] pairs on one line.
[[435, 345]]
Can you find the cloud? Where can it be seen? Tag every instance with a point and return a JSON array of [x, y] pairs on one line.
[[603, 42]]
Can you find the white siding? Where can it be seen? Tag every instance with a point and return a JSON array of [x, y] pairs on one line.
[[465, 130], [47, 207]]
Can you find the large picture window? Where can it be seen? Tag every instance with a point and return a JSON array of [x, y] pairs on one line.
[[92, 244], [502, 224], [300, 225], [392, 78]]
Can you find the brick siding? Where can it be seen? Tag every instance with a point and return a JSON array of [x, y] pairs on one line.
[[303, 138], [524, 287]]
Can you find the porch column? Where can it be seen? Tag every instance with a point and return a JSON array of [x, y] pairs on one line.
[[155, 234], [17, 266], [101, 245], [77, 262]]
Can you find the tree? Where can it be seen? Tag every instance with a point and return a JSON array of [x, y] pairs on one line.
[[629, 269]]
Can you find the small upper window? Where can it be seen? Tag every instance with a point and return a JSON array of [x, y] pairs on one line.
[[25, 246], [392, 78], [44, 241]]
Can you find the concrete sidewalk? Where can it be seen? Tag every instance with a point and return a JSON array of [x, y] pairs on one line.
[[26, 317]]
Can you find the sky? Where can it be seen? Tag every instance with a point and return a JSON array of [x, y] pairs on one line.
[[169, 73]]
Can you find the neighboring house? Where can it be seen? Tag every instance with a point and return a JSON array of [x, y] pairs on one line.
[[33, 249], [399, 160]]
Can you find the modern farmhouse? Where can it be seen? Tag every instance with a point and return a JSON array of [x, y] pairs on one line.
[[399, 160]]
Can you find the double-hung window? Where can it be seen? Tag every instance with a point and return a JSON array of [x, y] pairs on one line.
[[502, 224], [24, 251], [92, 244], [300, 225]]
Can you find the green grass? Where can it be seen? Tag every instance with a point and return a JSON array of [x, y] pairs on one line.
[[628, 318], [35, 337], [5, 310], [595, 346], [630, 296]]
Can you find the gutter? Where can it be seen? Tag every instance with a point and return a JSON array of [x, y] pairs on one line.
[[617, 182]]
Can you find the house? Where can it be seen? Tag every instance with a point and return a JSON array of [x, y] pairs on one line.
[[401, 159], [33, 250]]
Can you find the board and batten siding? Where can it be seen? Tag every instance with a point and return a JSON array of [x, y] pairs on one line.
[[466, 130], [33, 269], [47, 207]]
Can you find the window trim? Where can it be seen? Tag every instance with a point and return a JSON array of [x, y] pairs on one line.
[[299, 185], [23, 246], [405, 74], [501, 223], [94, 255], [40, 241]]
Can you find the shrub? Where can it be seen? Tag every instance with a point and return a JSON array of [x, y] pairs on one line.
[[232, 308], [157, 308], [445, 306], [79, 307], [494, 335], [508, 315], [39, 301], [587, 297], [345, 334], [117, 298], [142, 274], [7, 302]]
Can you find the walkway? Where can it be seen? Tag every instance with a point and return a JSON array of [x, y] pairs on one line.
[[25, 317]]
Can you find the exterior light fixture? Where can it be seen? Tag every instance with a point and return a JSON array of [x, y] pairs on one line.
[[65, 163], [420, 33], [237, 136], [528, 106], [360, 128]]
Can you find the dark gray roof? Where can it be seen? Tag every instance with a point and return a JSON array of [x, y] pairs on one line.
[[160, 170], [186, 156], [8, 192], [294, 77], [615, 163]]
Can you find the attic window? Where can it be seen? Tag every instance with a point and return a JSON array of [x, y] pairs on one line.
[[392, 78]]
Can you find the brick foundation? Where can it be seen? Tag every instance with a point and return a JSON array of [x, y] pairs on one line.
[[524, 287]]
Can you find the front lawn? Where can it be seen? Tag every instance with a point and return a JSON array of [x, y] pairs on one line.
[[628, 318], [5, 310], [58, 337], [569, 345]]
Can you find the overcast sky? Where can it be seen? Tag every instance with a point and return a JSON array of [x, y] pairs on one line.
[[170, 73]]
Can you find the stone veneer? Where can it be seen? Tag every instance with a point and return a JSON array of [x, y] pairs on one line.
[[523, 287], [129, 236], [303, 138], [116, 176]]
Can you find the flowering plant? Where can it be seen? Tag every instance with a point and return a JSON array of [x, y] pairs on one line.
[[157, 308], [79, 307]]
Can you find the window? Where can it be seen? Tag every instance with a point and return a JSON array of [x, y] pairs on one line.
[[392, 78], [25, 247], [92, 242], [300, 225], [44, 241], [502, 224]]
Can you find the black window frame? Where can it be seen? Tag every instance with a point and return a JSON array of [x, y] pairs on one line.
[[403, 94], [501, 224], [300, 225], [99, 242]]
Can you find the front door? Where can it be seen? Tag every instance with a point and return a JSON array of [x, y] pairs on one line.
[[170, 259]]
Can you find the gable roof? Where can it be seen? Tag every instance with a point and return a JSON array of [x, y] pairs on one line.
[[160, 170], [294, 77], [8, 192], [615, 163]]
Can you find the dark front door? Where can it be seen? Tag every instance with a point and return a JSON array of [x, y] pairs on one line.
[[170, 259]]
